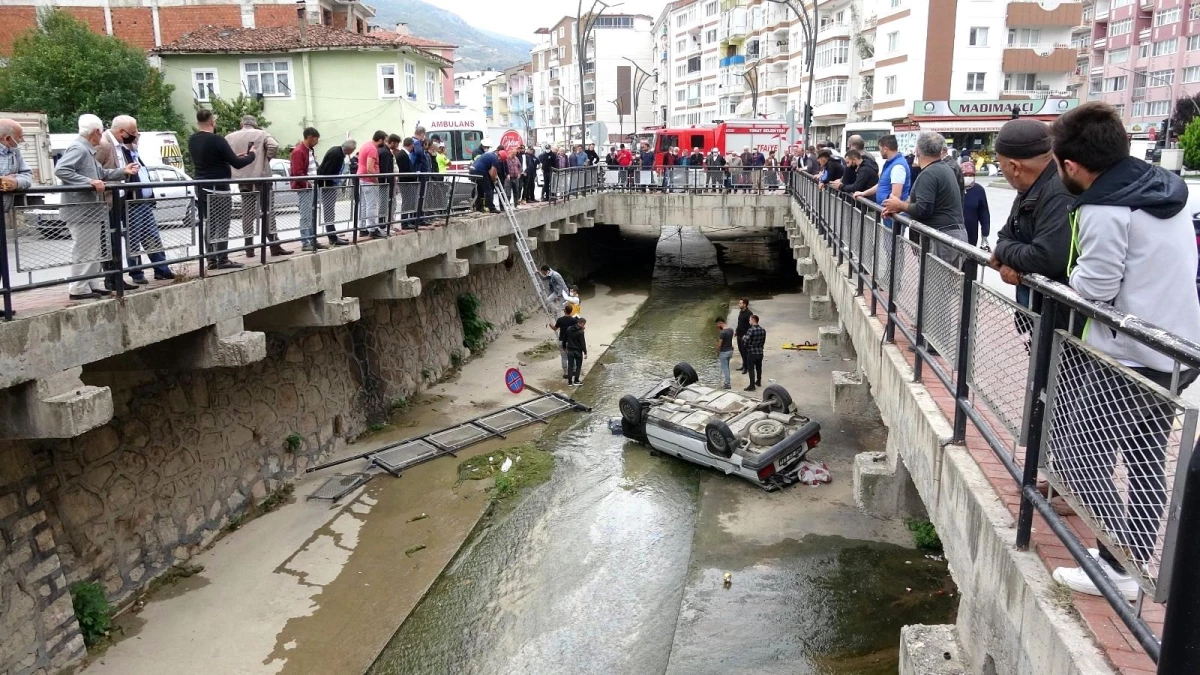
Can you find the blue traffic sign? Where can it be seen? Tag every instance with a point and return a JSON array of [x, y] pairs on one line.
[[514, 380]]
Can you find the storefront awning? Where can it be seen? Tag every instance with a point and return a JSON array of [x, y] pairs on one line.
[[944, 126]]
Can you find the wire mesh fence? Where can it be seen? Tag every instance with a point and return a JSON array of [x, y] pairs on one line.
[[222, 224], [908, 277], [160, 225], [998, 364], [942, 307], [49, 236], [1113, 442]]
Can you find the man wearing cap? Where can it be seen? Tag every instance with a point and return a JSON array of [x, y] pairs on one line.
[[1037, 235], [976, 216]]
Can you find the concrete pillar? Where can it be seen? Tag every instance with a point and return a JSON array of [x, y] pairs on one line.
[[587, 220], [568, 226], [820, 307], [815, 285], [227, 344], [490, 252], [327, 308], [800, 251], [547, 233], [59, 406], [806, 266], [884, 488], [930, 650], [850, 393], [829, 341], [390, 285], [444, 266]]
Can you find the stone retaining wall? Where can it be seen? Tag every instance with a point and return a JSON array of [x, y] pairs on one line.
[[187, 451]]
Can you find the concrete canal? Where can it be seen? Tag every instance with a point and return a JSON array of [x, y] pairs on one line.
[[615, 565]]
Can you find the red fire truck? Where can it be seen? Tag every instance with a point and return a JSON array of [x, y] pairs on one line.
[[725, 135]]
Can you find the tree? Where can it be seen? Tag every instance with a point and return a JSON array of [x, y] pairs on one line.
[[64, 70], [1189, 140], [230, 112], [1186, 109]]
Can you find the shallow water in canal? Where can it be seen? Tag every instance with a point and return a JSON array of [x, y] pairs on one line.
[[604, 568]]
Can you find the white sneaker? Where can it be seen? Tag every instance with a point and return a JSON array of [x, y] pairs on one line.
[[1078, 580]]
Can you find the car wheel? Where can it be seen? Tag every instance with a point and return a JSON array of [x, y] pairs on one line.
[[631, 409], [719, 438], [685, 374], [778, 398]]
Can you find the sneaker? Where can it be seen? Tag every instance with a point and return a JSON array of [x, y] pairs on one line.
[[727, 387], [1077, 580], [164, 276], [750, 388]]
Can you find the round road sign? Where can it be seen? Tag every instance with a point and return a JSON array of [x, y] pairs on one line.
[[514, 380]]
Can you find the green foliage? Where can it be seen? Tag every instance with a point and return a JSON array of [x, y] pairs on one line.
[[293, 441], [400, 403], [1187, 108], [531, 467], [1190, 142], [230, 112], [456, 359], [92, 610], [924, 535], [519, 317], [64, 69], [277, 498], [474, 327], [377, 427]]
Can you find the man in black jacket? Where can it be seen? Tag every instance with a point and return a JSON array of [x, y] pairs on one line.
[[549, 162], [212, 157], [831, 167], [333, 164], [529, 168], [866, 172], [387, 186], [576, 345], [743, 325]]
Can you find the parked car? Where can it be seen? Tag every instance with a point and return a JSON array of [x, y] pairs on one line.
[[174, 206], [763, 441], [284, 198]]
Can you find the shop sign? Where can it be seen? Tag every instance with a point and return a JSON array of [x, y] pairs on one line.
[[1033, 106]]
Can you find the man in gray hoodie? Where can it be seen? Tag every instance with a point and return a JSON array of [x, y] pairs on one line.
[[1133, 247]]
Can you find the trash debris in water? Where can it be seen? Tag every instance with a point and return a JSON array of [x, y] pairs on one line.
[[727, 578], [506, 465], [413, 549], [423, 516], [614, 425], [814, 474]]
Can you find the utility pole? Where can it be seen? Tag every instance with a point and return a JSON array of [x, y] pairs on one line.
[[808, 24], [585, 24]]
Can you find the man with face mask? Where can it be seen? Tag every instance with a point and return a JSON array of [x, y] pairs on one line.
[[976, 216], [1036, 237]]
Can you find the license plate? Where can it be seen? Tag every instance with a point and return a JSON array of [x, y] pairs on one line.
[[790, 457]]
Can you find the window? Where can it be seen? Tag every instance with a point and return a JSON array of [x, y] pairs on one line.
[[1120, 27], [680, 95], [889, 84], [589, 108], [614, 22], [680, 70], [1160, 78], [1020, 81], [832, 53], [1115, 83], [693, 64], [589, 87], [710, 90], [1191, 74], [204, 85], [1193, 43], [1024, 37], [410, 78], [681, 45], [560, 32], [1120, 109], [1117, 56], [752, 49], [978, 37], [554, 73], [1163, 47], [1139, 109], [1166, 16], [1158, 108], [710, 63], [1144, 50], [830, 91], [895, 3], [893, 43], [974, 82], [387, 79], [693, 94], [1120, 3], [1194, 10], [710, 9], [269, 78], [562, 52], [710, 36]]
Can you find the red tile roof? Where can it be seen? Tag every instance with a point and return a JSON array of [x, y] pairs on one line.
[[220, 40], [411, 40]]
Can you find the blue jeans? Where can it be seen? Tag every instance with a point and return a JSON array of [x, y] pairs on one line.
[[142, 235], [307, 216], [723, 358]]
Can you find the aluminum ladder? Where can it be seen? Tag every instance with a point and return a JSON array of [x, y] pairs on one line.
[[522, 244]]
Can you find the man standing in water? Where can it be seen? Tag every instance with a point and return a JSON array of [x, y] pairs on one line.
[[576, 351], [561, 325], [743, 325], [724, 350], [755, 340]]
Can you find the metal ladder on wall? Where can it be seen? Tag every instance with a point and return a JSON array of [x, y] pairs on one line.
[[522, 244]]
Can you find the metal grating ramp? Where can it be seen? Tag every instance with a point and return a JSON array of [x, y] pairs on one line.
[[340, 485], [410, 452]]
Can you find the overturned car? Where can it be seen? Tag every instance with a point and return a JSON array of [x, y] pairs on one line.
[[761, 441]]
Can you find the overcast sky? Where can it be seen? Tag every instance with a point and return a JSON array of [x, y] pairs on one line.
[[520, 19]]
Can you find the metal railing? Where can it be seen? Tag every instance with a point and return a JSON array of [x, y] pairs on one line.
[[696, 179], [1113, 441], [73, 235]]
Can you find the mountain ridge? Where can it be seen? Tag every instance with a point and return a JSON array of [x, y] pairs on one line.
[[478, 49]]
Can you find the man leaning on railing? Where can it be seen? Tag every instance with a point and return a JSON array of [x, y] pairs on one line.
[[935, 199], [1133, 248], [14, 172]]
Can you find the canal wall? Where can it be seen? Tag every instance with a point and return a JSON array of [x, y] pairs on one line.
[[187, 450], [1008, 623]]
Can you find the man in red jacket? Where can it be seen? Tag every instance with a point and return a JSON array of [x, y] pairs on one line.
[[624, 160], [304, 163]]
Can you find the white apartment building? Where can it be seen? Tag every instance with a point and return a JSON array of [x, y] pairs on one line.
[[688, 53], [619, 45], [470, 87]]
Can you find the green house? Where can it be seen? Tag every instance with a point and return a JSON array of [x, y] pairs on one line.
[[345, 84]]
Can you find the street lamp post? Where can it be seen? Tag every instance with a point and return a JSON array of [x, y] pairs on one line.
[[1170, 85], [567, 105], [584, 26], [639, 80], [809, 26]]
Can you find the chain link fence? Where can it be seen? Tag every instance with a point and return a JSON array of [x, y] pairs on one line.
[[998, 357], [908, 277], [53, 235], [1113, 443], [942, 307]]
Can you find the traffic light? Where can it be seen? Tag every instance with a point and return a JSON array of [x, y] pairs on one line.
[[1162, 130]]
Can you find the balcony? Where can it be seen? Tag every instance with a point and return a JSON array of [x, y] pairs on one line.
[[1031, 14], [1058, 60], [1033, 93], [866, 65], [775, 80], [734, 26], [821, 72], [1139, 93], [1146, 5], [1100, 43], [831, 110], [864, 104], [732, 82], [1144, 35], [730, 61], [833, 30]]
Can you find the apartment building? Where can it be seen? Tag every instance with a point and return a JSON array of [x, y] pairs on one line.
[[508, 100], [1145, 55], [470, 87], [563, 103], [688, 52]]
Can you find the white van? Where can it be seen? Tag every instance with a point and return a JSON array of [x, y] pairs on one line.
[[460, 128]]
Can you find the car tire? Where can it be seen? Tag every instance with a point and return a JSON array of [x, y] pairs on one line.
[[778, 398], [719, 438], [631, 409], [685, 374]]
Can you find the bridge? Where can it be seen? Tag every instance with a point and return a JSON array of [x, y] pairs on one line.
[[132, 428]]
